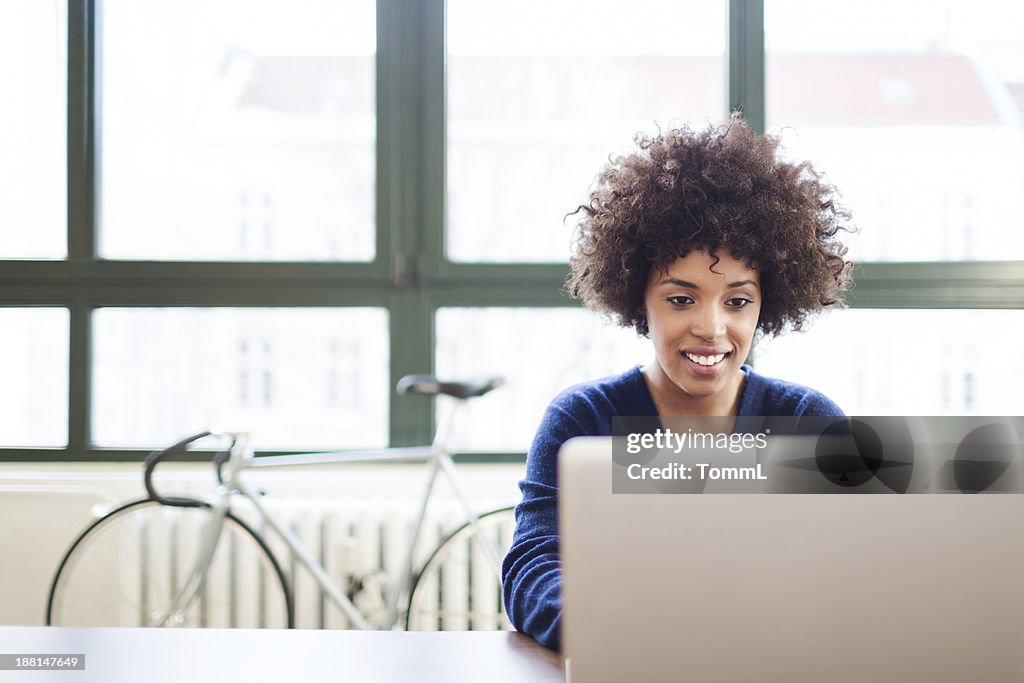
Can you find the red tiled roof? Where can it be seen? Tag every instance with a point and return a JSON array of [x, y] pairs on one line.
[[306, 85], [801, 89], [870, 89]]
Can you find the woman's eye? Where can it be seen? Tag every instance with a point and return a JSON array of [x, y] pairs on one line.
[[738, 303], [680, 300]]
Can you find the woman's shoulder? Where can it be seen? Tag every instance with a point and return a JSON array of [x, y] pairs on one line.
[[775, 397], [590, 405], [584, 409], [626, 388]]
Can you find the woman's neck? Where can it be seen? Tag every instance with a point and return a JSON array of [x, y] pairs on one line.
[[669, 399]]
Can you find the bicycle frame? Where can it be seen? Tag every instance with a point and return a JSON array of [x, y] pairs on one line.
[[241, 458]]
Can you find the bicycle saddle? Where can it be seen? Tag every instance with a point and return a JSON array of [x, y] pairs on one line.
[[429, 385]]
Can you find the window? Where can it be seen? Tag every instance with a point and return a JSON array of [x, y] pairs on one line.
[[564, 348], [540, 93], [33, 363], [269, 212], [290, 375], [236, 130], [33, 35], [914, 111], [942, 361]]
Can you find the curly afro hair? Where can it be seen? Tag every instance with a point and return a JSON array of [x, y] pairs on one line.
[[722, 189]]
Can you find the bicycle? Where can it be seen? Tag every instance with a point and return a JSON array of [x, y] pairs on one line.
[[227, 538]]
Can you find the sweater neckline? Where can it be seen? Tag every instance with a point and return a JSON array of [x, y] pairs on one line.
[[747, 393]]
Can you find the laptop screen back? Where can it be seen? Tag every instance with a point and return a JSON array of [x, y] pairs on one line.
[[811, 587]]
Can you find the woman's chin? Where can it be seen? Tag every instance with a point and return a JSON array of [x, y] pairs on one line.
[[700, 387]]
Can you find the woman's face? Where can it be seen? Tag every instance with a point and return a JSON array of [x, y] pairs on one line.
[[702, 323]]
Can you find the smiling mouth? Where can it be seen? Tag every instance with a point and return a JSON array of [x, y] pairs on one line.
[[707, 361]]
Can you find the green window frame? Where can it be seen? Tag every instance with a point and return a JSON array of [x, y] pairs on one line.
[[410, 275]]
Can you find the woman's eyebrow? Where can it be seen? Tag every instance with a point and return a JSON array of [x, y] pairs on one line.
[[678, 283], [740, 283], [685, 283]]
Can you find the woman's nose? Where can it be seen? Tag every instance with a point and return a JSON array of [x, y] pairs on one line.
[[709, 323]]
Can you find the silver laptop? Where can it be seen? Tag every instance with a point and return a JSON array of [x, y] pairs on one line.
[[786, 587]]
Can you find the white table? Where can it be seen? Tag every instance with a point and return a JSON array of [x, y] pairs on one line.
[[282, 656]]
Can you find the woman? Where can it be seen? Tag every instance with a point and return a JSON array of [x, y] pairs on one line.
[[699, 241]]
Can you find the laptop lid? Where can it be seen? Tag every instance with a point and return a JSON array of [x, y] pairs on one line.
[[787, 587]]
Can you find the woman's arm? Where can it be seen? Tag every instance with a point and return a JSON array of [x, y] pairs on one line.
[[532, 570]]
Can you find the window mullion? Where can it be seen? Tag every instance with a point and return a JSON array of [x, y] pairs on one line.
[[389, 139], [80, 380], [81, 209], [431, 78], [410, 152], [746, 61], [81, 131]]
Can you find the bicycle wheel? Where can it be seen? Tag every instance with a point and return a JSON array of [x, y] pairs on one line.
[[127, 567], [457, 589]]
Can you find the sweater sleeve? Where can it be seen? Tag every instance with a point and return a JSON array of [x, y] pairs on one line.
[[531, 572]]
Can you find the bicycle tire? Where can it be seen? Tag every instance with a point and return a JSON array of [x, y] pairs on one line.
[[430, 605], [117, 573]]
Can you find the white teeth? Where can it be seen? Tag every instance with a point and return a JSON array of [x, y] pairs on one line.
[[706, 360]]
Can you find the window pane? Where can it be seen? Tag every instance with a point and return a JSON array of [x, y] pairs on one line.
[[570, 346], [34, 368], [914, 111], [540, 93], [311, 378], [906, 362], [33, 125], [238, 130]]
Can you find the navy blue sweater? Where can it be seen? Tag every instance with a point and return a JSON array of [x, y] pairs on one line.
[[531, 572]]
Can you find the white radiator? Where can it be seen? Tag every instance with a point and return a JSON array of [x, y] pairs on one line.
[[357, 541]]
